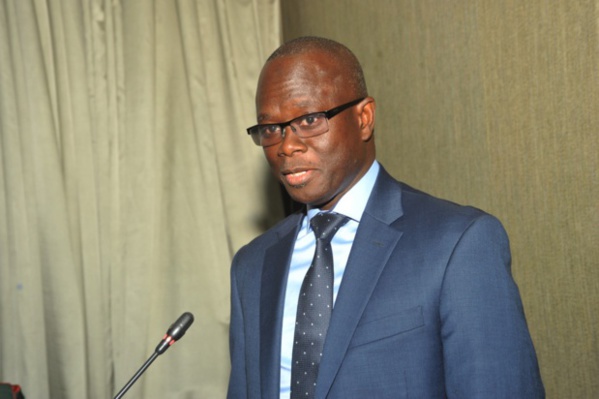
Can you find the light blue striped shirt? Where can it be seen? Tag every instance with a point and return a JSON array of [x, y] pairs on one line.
[[352, 205]]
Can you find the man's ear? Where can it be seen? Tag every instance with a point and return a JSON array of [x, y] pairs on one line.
[[366, 111]]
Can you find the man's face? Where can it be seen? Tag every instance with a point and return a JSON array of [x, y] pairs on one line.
[[319, 170]]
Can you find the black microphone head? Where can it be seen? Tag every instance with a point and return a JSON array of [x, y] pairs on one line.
[[175, 332], [179, 327]]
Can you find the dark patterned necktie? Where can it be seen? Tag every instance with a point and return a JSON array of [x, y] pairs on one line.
[[314, 308]]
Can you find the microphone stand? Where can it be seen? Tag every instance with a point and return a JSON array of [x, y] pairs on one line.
[[137, 375]]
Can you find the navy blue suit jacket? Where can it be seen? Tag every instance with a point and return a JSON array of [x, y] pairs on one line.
[[427, 307]]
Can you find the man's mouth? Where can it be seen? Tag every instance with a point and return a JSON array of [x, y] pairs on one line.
[[297, 178]]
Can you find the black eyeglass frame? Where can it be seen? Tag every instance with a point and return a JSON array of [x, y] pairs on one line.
[[328, 114]]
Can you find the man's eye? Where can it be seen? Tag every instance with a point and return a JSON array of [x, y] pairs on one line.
[[270, 130], [311, 120]]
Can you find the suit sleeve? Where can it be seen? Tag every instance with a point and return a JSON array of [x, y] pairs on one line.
[[488, 352], [238, 378]]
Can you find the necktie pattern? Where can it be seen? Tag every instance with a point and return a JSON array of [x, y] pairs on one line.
[[314, 308]]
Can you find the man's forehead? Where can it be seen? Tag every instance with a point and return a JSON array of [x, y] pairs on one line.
[[294, 74]]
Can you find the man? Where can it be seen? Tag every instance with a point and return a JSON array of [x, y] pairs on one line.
[[424, 303]]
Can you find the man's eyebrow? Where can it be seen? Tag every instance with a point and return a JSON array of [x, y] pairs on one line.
[[262, 117]]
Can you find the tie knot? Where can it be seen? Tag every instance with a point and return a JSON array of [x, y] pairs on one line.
[[326, 224]]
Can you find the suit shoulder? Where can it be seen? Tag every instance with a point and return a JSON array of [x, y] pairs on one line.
[[391, 197], [436, 214], [418, 201], [396, 203]]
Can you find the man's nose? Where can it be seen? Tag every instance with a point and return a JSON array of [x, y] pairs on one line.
[[290, 142]]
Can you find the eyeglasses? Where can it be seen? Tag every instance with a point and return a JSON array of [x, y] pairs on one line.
[[304, 126]]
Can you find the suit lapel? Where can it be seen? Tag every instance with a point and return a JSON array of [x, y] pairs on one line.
[[272, 295], [375, 240]]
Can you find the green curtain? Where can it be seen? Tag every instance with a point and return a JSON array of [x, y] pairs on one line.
[[126, 184]]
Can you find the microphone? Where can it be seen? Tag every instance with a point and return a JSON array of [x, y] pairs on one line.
[[174, 333]]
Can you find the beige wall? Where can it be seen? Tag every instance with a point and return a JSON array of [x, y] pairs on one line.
[[496, 104]]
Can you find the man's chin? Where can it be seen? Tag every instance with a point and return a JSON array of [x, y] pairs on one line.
[[300, 194], [290, 189]]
